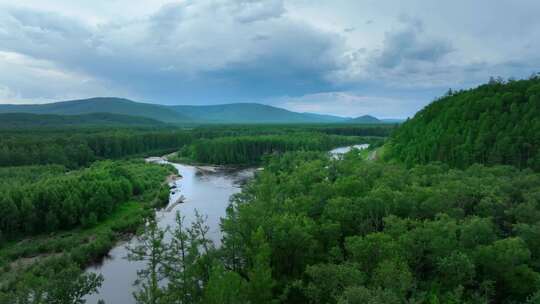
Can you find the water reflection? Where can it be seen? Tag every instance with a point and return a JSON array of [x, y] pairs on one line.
[[206, 189], [342, 150]]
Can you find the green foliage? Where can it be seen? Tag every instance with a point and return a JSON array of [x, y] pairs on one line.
[[109, 105], [76, 148], [349, 231], [29, 121], [149, 248], [251, 149], [496, 123], [58, 281], [178, 268], [224, 287], [93, 207], [79, 147], [327, 282], [260, 282], [50, 199]]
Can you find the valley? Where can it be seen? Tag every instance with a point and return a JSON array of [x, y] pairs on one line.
[[269, 152]]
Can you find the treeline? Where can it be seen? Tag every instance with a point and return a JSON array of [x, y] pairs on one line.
[[379, 130], [359, 130], [317, 230], [28, 121], [496, 123], [311, 229], [81, 146], [74, 149], [41, 199], [250, 149]]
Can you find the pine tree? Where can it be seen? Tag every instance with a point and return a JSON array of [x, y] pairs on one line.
[[149, 248]]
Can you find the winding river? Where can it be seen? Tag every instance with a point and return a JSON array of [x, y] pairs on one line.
[[205, 189]]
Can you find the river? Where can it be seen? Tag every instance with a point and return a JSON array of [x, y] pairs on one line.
[[342, 150], [205, 189]]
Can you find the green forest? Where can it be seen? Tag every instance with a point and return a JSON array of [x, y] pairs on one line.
[[444, 208], [351, 231], [313, 229], [66, 219], [76, 148], [250, 149], [496, 123], [69, 195], [48, 198]]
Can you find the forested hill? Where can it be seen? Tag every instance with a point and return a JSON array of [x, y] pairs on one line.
[[495, 123], [365, 119], [100, 105], [27, 120], [251, 113], [234, 113]]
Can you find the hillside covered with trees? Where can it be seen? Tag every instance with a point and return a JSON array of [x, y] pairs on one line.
[[496, 123], [350, 231], [27, 120], [233, 113]]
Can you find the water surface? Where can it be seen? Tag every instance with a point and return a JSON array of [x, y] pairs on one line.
[[206, 189], [342, 150]]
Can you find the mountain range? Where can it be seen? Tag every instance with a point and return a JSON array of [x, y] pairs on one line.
[[242, 113], [29, 120]]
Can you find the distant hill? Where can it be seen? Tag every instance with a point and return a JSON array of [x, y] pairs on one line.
[[365, 119], [392, 120], [101, 105], [250, 113], [326, 118], [28, 120], [240, 113], [496, 123]]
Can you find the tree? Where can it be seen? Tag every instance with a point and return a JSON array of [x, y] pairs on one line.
[[149, 248], [188, 260], [59, 281], [327, 282], [393, 275], [225, 287], [363, 295], [260, 282]]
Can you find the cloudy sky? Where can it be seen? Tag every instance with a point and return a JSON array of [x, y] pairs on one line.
[[387, 58]]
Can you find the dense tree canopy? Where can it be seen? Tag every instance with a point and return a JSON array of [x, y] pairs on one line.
[[250, 149], [79, 148], [40, 199], [349, 231], [496, 123]]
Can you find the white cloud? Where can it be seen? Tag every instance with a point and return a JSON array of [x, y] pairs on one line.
[[34, 80]]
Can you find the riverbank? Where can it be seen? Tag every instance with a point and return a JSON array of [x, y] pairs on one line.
[[207, 167], [83, 245], [204, 190]]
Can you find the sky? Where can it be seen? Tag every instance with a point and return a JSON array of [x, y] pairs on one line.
[[387, 58]]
